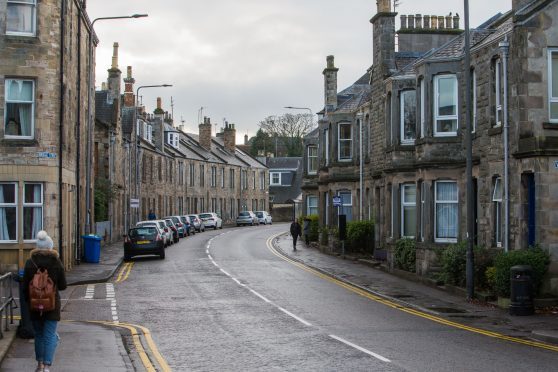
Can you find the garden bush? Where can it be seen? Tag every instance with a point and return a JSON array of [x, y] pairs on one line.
[[405, 254], [534, 257], [454, 265], [360, 236], [314, 233]]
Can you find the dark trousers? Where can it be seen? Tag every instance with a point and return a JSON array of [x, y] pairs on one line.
[[294, 241]]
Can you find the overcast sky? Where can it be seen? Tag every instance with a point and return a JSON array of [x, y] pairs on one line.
[[244, 60]]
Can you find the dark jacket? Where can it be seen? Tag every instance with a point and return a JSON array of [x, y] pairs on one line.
[[306, 226], [295, 229], [45, 259]]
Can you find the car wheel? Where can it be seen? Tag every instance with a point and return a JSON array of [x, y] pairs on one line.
[[162, 254], [127, 257], [265, 223]]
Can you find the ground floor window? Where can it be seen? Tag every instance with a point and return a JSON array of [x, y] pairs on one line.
[[311, 205], [346, 204], [497, 200], [8, 212], [32, 210], [446, 219], [408, 211]]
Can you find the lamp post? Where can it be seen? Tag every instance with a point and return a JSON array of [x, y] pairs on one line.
[[136, 143], [303, 108], [90, 125]]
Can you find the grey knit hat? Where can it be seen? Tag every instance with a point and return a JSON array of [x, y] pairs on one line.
[[44, 241]]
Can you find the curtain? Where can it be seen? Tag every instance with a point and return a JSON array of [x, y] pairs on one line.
[[446, 213], [4, 233], [20, 18], [37, 212]]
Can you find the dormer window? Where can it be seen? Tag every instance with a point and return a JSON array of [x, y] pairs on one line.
[[173, 139]]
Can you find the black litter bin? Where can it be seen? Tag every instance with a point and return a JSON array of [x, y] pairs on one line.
[[521, 299]]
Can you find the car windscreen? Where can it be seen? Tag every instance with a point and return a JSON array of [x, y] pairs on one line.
[[184, 220], [169, 223], [206, 215], [244, 214], [162, 225], [146, 232], [175, 219], [259, 214]]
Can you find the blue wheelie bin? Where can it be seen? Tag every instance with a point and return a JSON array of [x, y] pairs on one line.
[[92, 248]]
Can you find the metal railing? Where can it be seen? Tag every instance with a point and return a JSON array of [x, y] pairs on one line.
[[7, 303]]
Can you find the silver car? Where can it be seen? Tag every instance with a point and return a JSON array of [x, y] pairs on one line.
[[212, 219], [264, 217], [247, 218]]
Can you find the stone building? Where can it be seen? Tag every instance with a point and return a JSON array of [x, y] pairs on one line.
[[43, 118], [285, 180], [415, 182]]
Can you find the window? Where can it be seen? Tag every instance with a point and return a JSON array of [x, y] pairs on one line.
[[231, 178], [312, 159], [243, 182], [180, 173], [174, 140], [422, 210], [192, 174], [366, 137], [254, 180], [326, 147], [498, 223], [446, 219], [311, 205], [202, 175], [408, 116], [8, 212], [389, 131], [275, 178], [213, 177], [408, 211], [346, 205], [262, 180], [20, 18], [223, 177], [20, 108], [498, 92], [422, 108], [445, 106], [345, 142], [553, 84], [474, 101]]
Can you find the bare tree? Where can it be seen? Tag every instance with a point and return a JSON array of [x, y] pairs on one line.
[[289, 129]]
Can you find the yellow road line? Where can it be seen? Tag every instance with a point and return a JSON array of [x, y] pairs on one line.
[[406, 309], [124, 272], [121, 272], [154, 350], [131, 264]]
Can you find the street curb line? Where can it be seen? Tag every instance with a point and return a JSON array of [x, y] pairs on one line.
[[6, 342], [413, 310], [99, 280]]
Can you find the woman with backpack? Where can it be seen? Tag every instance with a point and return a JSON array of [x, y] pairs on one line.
[[43, 278]]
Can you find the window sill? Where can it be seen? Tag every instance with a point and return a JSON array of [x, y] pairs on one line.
[[19, 142], [550, 126], [495, 131], [20, 38]]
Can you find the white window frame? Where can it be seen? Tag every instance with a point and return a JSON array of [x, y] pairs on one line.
[[34, 15], [253, 180], [326, 140], [349, 140], [33, 205], [497, 200], [312, 207], [407, 205], [149, 134], [174, 140], [498, 98], [474, 89], [422, 209], [12, 205], [438, 117], [436, 202], [405, 141], [223, 178], [551, 99], [6, 102], [422, 108], [310, 157], [213, 176], [262, 180], [345, 205], [192, 174], [271, 174]]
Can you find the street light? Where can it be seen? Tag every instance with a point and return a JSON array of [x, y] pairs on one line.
[[303, 108], [90, 118]]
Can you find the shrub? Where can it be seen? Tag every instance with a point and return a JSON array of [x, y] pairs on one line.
[[314, 233], [454, 265], [405, 254], [534, 257], [324, 235], [360, 235], [490, 275]]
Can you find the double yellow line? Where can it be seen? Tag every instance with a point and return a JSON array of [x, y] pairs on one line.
[[404, 308], [124, 272]]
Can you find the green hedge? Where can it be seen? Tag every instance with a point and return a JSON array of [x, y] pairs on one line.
[[405, 254], [360, 236], [454, 265], [534, 257], [314, 234]]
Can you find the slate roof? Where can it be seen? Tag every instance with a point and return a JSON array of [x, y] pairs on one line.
[[283, 163], [103, 108], [352, 97], [285, 194], [128, 120]]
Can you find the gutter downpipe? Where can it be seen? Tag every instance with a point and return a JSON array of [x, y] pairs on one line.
[[78, 147], [61, 128], [505, 47]]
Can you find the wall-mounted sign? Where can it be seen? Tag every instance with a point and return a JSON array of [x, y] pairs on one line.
[[555, 164], [46, 155], [336, 201], [134, 203]]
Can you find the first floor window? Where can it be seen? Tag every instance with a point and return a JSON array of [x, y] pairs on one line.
[[311, 205], [8, 212], [20, 106], [345, 141], [408, 116], [262, 180], [223, 177], [32, 210], [446, 220], [346, 205], [312, 159], [497, 200], [553, 84], [408, 210], [20, 17], [445, 105], [213, 176]]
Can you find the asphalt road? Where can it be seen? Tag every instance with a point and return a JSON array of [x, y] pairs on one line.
[[222, 301]]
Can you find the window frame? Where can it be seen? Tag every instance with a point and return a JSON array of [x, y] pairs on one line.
[[213, 176], [405, 205], [12, 205], [340, 140], [222, 178], [309, 207], [312, 159], [551, 99], [497, 200], [174, 140], [438, 117], [422, 88], [474, 99], [271, 183], [498, 96], [7, 82], [406, 141], [436, 202], [344, 205], [34, 21], [33, 205]]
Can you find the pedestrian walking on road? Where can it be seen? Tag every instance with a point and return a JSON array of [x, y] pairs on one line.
[[295, 232], [151, 216], [306, 229], [43, 257]]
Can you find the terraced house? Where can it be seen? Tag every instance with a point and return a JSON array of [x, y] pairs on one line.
[[43, 115], [410, 130]]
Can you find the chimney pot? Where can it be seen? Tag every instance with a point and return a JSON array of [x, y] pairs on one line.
[[330, 62], [418, 21], [411, 21], [245, 139], [384, 6], [129, 72], [403, 21], [433, 22], [426, 21], [456, 22], [441, 22], [115, 55], [159, 104], [449, 21]]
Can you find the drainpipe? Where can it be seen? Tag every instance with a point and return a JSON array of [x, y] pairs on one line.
[[359, 121], [61, 127], [505, 48], [78, 147]]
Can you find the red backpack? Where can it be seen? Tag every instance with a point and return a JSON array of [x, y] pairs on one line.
[[42, 291]]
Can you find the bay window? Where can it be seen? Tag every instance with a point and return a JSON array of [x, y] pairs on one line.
[[445, 106], [19, 109], [446, 210], [408, 105], [8, 212], [408, 210], [311, 205], [553, 85], [345, 142], [312, 159], [21, 17]]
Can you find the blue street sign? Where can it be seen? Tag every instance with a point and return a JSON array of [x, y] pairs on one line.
[[336, 201]]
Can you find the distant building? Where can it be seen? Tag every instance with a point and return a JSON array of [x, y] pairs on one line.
[[285, 179]]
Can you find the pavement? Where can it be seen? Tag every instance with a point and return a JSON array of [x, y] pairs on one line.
[[82, 343]]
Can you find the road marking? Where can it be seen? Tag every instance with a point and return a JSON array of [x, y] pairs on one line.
[[377, 356], [295, 317], [403, 308], [124, 272], [111, 296], [224, 272], [260, 296], [90, 292]]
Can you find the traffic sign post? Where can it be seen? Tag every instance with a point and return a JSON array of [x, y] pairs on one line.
[[134, 203], [336, 201]]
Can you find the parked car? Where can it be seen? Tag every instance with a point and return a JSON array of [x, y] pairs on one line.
[[264, 217], [163, 230], [211, 219], [247, 218], [190, 230], [178, 224], [172, 227], [143, 240], [198, 223]]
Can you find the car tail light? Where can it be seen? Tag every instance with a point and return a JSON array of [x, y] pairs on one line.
[[127, 239]]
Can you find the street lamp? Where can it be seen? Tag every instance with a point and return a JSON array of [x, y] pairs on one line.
[[303, 108], [90, 118]]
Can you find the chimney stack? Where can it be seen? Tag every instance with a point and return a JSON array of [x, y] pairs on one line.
[[129, 88], [384, 6], [205, 133], [114, 76], [245, 139], [229, 137], [159, 110], [330, 84]]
